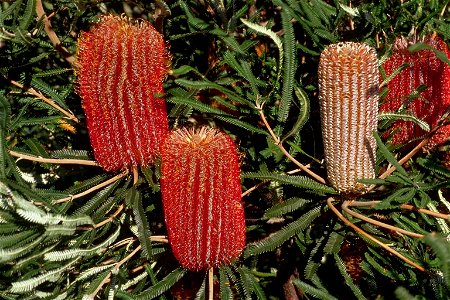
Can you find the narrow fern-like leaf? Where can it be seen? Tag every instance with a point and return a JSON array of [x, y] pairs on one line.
[[303, 115], [141, 221], [287, 232], [28, 285], [388, 155], [159, 288], [348, 279], [289, 66], [285, 207], [298, 181], [73, 253], [312, 291]]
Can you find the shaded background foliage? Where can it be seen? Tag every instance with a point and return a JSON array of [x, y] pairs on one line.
[[221, 68]]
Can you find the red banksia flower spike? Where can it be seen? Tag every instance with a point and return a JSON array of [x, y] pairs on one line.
[[424, 69], [348, 95], [121, 67], [201, 193]]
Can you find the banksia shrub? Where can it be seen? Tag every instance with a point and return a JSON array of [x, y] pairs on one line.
[[348, 95], [424, 69], [121, 67], [201, 193]]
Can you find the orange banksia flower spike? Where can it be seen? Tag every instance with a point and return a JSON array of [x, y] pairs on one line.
[[121, 67], [424, 69], [348, 95], [201, 191]]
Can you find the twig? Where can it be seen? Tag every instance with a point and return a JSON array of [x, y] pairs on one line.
[[114, 270], [345, 205], [135, 175], [365, 234], [115, 214], [92, 189], [50, 102], [51, 33], [61, 161], [211, 283], [403, 206], [278, 143]]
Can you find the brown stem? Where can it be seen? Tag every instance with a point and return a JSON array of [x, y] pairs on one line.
[[403, 206], [345, 205], [45, 99], [54, 160], [370, 237], [278, 143], [211, 283], [92, 189], [51, 33], [113, 216]]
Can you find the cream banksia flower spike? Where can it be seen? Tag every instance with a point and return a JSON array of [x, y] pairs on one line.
[[201, 193], [348, 95]]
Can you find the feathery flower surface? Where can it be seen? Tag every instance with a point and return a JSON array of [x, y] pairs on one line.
[[121, 70], [348, 95], [424, 69], [201, 191]]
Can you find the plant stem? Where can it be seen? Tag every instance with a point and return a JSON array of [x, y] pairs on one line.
[[345, 205], [278, 143], [45, 99], [92, 189], [61, 161], [51, 33], [370, 237]]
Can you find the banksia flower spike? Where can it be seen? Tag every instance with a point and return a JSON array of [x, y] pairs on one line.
[[348, 95], [201, 193], [424, 69], [121, 67]]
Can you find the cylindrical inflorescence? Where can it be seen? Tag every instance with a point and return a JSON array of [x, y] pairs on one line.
[[348, 95], [121, 67], [425, 69], [201, 191]]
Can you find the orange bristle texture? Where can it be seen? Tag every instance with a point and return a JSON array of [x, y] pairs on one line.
[[201, 193], [121, 67]]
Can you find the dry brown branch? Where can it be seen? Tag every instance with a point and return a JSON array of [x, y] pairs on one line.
[[345, 208], [52, 34], [92, 189], [370, 237], [278, 143], [45, 99], [60, 161]]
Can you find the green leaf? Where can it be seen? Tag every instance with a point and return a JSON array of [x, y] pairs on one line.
[[303, 115], [285, 207], [348, 279], [5, 112], [135, 198], [405, 117], [388, 155], [441, 247], [75, 253], [158, 289], [28, 285], [312, 291], [28, 15], [289, 66], [279, 237], [298, 181]]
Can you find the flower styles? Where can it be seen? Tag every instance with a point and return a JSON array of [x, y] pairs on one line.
[[424, 69], [201, 191], [348, 96], [121, 67]]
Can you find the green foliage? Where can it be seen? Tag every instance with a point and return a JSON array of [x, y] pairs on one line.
[[66, 235]]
